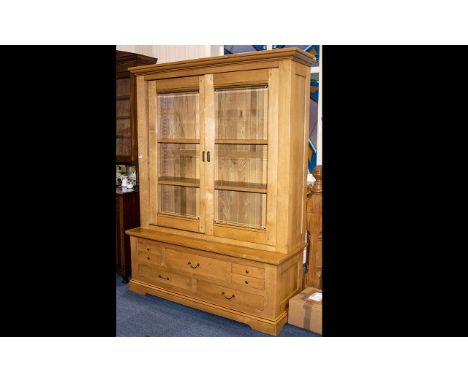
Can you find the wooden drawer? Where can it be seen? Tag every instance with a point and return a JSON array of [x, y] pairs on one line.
[[148, 257], [228, 297], [246, 281], [248, 270], [197, 265], [148, 246], [149, 253], [163, 278]]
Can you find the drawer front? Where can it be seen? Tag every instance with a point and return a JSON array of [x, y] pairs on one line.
[[230, 298], [148, 246], [197, 265], [161, 277], [248, 270], [149, 253], [147, 257], [246, 281]]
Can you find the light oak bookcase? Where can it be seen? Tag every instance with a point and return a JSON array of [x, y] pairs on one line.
[[223, 164]]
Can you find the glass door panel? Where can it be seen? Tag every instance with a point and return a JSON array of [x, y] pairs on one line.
[[179, 178], [178, 116], [178, 136], [241, 114], [241, 147]]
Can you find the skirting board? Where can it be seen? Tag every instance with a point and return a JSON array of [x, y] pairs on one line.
[[256, 323]]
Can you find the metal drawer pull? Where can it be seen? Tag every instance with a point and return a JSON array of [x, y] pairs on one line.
[[246, 271], [196, 266], [208, 156], [161, 277], [203, 156], [228, 297], [148, 258], [147, 248], [246, 282]]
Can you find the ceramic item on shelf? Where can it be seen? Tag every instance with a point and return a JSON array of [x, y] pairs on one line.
[[124, 182]]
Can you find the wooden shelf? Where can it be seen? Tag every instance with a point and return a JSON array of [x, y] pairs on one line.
[[178, 140], [123, 117], [242, 141], [241, 186], [176, 181], [243, 154]]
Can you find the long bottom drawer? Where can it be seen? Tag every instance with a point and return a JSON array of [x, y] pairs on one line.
[[228, 297], [163, 278]]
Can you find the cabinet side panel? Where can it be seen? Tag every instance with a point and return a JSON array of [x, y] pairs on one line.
[[134, 251], [298, 164], [284, 153], [272, 155], [142, 150], [289, 281]]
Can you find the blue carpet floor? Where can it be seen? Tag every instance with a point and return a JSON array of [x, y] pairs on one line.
[[140, 316]]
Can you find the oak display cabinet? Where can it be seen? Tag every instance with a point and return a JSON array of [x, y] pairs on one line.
[[223, 166]]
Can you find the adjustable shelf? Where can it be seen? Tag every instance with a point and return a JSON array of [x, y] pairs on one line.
[[178, 140], [241, 186], [177, 181], [242, 141]]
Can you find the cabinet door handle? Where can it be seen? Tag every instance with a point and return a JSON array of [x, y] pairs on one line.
[[191, 265], [203, 156], [228, 298], [162, 277], [208, 156], [148, 258]]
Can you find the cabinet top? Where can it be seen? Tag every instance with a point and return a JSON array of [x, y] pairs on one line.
[[294, 54]]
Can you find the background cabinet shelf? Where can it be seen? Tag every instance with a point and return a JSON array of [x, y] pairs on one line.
[[126, 142]]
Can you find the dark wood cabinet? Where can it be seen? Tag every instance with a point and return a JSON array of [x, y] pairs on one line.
[[127, 203], [127, 216], [126, 134]]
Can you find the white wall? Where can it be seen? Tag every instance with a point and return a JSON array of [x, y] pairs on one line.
[[169, 53]]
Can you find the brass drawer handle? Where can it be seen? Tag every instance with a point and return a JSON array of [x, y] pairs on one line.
[[228, 297], [191, 266], [161, 277]]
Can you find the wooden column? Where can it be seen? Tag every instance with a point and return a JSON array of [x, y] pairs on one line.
[[313, 276]]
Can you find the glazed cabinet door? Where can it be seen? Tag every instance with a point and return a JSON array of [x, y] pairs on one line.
[[242, 175], [175, 148]]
